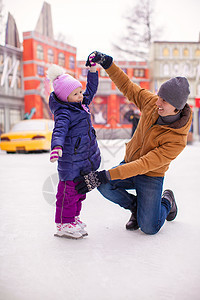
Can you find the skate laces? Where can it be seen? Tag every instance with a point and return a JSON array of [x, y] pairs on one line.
[[69, 225], [79, 222], [59, 227], [73, 226]]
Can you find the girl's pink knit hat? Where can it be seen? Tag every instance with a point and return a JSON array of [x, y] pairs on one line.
[[63, 84]]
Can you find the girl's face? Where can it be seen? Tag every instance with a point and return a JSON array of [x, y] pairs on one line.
[[164, 108], [76, 95]]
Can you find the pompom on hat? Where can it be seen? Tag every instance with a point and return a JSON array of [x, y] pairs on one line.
[[175, 91], [63, 84]]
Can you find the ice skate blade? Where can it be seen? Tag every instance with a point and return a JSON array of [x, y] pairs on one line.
[[83, 232], [68, 236]]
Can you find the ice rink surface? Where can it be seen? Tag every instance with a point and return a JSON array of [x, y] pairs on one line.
[[111, 263]]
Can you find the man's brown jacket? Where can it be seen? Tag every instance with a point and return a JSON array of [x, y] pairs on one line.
[[152, 146]]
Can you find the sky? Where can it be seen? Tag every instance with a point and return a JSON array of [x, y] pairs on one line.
[[95, 25]]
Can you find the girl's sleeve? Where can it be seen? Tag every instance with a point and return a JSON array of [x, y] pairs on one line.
[[62, 121], [91, 87]]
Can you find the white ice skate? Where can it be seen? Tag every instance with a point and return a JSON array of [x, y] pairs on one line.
[[69, 231], [82, 225]]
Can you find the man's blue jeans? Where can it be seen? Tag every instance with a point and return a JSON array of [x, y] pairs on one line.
[[152, 210]]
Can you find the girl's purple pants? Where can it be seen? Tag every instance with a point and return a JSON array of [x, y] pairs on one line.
[[69, 202]]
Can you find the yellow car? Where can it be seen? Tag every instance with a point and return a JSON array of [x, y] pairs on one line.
[[28, 135]]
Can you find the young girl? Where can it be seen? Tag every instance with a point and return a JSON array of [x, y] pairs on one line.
[[73, 144]]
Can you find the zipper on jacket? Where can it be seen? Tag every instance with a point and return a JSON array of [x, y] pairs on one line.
[[77, 144], [93, 130], [89, 129], [92, 166]]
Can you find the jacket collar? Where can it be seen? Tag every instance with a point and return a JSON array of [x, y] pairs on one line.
[[69, 104], [184, 118]]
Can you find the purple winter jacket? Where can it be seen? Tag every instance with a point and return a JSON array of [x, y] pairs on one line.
[[74, 132]]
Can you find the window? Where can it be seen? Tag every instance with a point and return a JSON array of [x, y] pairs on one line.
[[40, 70], [15, 117], [40, 52], [71, 62], [138, 72], [84, 72], [186, 69], [166, 70], [135, 72], [50, 56], [176, 69], [165, 51], [142, 73], [61, 59], [175, 52], [197, 52], [185, 52]]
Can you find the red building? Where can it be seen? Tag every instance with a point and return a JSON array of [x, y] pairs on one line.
[[39, 52]]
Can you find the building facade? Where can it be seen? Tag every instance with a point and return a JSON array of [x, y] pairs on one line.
[[11, 78], [170, 59], [11, 87]]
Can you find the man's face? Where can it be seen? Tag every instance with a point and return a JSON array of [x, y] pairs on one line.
[[164, 108]]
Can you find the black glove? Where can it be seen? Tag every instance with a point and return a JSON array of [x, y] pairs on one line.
[[90, 181], [104, 60]]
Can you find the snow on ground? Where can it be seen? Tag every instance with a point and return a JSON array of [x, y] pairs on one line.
[[111, 263]]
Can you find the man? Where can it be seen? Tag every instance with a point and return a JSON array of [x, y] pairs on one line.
[[132, 117], [160, 137]]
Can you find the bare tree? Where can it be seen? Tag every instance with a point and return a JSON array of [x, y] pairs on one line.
[[63, 38], [135, 43]]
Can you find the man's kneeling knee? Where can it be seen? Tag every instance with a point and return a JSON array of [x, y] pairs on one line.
[[149, 229]]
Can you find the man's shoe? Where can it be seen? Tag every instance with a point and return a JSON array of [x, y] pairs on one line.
[[168, 194], [132, 223]]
